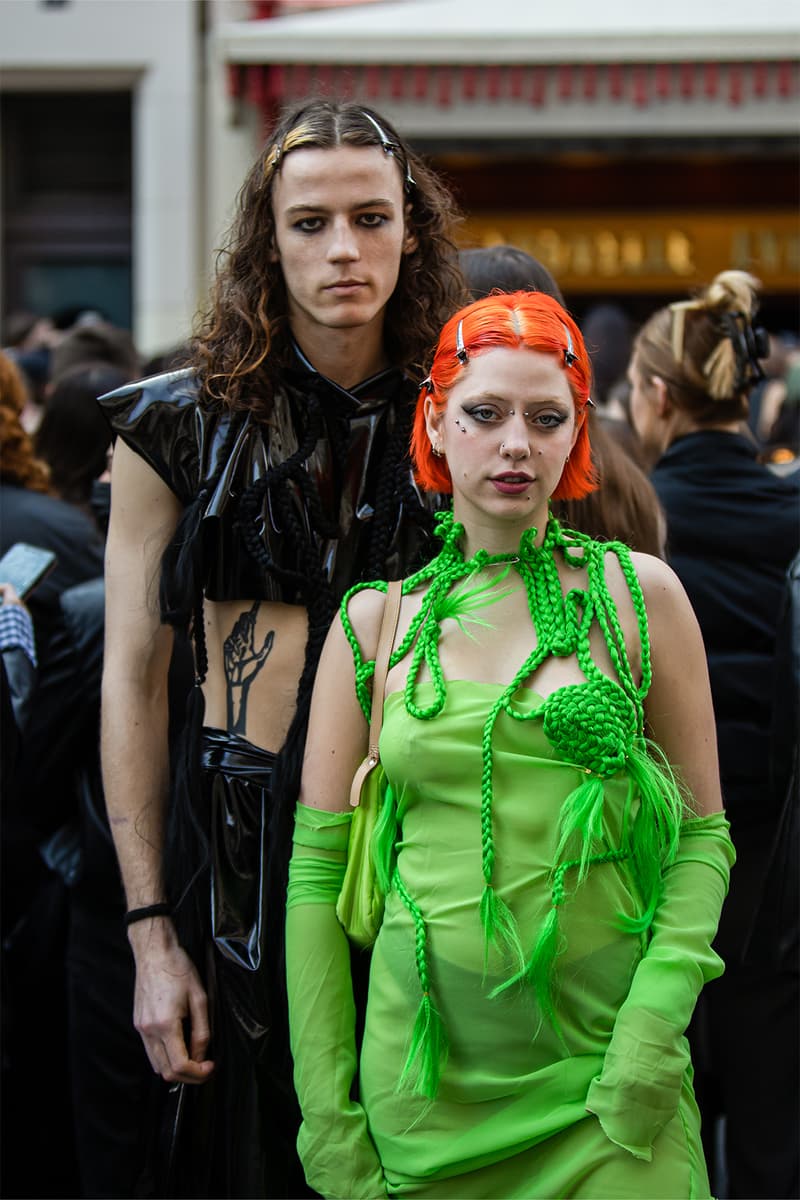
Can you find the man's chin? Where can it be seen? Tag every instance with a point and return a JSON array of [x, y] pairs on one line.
[[352, 319]]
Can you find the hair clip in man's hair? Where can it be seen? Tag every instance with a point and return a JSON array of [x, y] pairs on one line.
[[427, 383], [273, 160], [461, 350], [590, 402], [570, 356], [387, 145]]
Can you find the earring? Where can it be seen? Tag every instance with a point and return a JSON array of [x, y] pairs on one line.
[[438, 452]]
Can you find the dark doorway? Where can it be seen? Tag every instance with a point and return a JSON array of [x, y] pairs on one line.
[[67, 203]]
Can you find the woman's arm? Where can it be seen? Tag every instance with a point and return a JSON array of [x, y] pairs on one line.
[[337, 731], [639, 1087], [678, 707], [334, 1145]]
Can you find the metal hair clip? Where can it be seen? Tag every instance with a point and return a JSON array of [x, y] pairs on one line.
[[273, 159], [427, 383], [590, 402], [461, 350], [387, 145], [570, 356]]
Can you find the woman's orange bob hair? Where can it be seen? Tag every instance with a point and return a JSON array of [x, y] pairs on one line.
[[507, 320]]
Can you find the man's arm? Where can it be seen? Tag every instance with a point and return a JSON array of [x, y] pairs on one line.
[[135, 760]]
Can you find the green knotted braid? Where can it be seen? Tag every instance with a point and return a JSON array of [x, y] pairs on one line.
[[597, 725]]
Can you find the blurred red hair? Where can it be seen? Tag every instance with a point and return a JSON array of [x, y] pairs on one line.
[[508, 320], [18, 463]]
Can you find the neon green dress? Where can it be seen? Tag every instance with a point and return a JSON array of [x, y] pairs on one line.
[[510, 1118], [510, 972], [549, 913]]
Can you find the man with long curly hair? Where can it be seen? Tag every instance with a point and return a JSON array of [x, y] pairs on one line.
[[257, 485]]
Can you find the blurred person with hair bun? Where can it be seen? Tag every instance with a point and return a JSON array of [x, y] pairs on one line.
[[733, 527]]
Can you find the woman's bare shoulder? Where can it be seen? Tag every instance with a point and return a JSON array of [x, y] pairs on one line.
[[657, 579], [670, 615], [365, 613]]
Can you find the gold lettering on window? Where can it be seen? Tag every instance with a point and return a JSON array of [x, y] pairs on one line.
[[679, 253]]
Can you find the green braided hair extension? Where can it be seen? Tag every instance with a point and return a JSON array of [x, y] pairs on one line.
[[384, 839], [538, 971], [445, 570], [427, 1052], [598, 726], [655, 835]]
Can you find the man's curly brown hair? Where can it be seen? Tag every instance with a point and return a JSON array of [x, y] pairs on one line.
[[18, 463], [243, 339]]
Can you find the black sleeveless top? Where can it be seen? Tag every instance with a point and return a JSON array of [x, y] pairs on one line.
[[165, 420]]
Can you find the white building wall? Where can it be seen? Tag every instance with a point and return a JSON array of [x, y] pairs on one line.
[[233, 135], [193, 145], [151, 46]]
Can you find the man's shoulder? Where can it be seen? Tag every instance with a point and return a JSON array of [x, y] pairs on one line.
[[174, 389], [162, 420]]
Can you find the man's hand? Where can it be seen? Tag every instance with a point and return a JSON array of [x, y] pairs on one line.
[[169, 992]]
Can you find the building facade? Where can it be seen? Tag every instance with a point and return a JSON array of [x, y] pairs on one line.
[[635, 159]]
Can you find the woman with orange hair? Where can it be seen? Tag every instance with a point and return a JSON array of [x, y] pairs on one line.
[[550, 842]]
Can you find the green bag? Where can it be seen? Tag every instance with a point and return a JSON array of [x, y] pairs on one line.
[[360, 904], [361, 900]]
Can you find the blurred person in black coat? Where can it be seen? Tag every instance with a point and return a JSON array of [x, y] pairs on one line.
[[733, 526], [67, 966], [38, 1157]]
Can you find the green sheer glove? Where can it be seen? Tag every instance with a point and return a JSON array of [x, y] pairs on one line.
[[638, 1090], [337, 1153]]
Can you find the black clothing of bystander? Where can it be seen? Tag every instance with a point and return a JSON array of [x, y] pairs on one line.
[[733, 527], [39, 1156]]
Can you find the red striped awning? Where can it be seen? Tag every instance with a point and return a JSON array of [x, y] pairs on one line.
[[638, 85]]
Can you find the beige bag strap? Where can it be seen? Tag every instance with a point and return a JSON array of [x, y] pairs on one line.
[[391, 613]]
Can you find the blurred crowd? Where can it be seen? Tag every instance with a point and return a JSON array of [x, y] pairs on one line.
[[71, 1058], [72, 1061]]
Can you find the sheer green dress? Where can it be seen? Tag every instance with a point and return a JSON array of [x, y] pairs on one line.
[[550, 906], [510, 1117]]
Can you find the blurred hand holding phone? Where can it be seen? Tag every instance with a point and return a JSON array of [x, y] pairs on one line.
[[24, 566]]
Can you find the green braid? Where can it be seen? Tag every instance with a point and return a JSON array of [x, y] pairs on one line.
[[597, 726], [428, 1050]]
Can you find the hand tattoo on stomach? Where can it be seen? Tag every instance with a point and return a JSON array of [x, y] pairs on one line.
[[243, 661]]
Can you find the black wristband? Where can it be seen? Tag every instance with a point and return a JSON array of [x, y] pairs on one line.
[[149, 910]]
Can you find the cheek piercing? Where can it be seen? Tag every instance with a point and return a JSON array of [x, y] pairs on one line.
[[463, 428]]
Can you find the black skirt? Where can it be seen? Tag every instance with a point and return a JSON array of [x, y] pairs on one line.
[[235, 1135]]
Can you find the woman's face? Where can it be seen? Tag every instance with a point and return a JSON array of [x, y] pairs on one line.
[[645, 418], [506, 431]]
